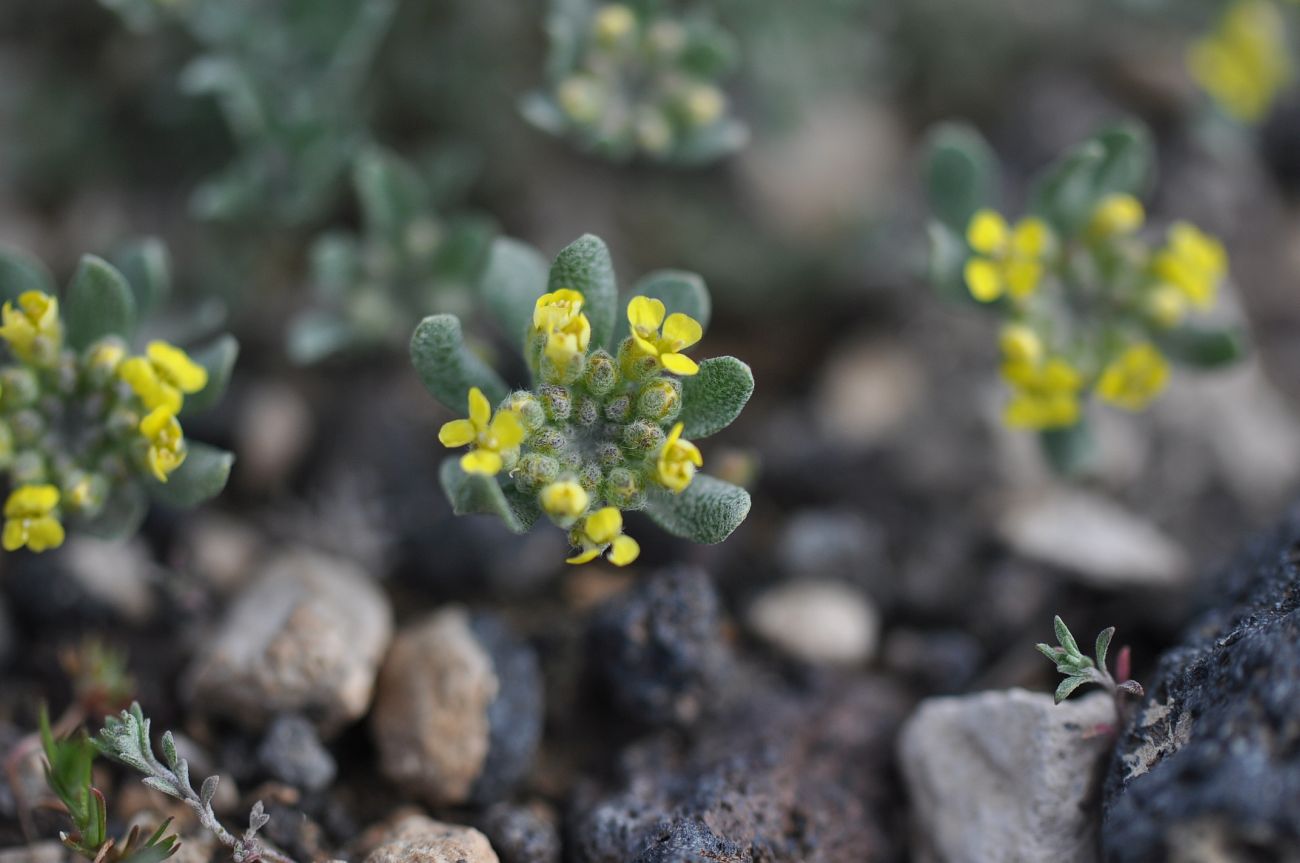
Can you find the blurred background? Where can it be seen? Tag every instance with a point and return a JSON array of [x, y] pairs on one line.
[[872, 446]]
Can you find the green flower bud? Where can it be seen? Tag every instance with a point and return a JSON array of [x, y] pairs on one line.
[[557, 402], [590, 477], [635, 364], [84, 492], [623, 489], [642, 436], [530, 410], [619, 409], [115, 467], [586, 412], [28, 427], [602, 374], [28, 468], [608, 454], [67, 373], [660, 400], [18, 387], [666, 39], [654, 134], [6, 445], [123, 423], [582, 98], [536, 470]]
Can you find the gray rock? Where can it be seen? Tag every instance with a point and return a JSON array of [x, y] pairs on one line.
[[658, 649], [781, 778], [523, 834], [1005, 777], [306, 636], [1210, 767], [867, 392], [1093, 538], [831, 543], [116, 574], [822, 622], [419, 839], [273, 431], [292, 752], [48, 851], [458, 712]]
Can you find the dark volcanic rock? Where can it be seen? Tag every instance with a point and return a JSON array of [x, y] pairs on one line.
[[783, 778], [658, 649], [522, 834], [1210, 769], [292, 753], [514, 716]]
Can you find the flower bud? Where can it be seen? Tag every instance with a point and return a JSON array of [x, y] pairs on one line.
[[619, 409], [1020, 344], [635, 364], [557, 402], [608, 454], [624, 489], [6, 445], [28, 427], [535, 470], [660, 400], [666, 39], [1166, 306], [642, 436], [530, 410], [590, 477], [582, 98], [703, 104], [602, 373], [84, 492], [548, 440], [586, 413], [654, 134], [564, 501], [18, 387], [612, 24], [28, 468]]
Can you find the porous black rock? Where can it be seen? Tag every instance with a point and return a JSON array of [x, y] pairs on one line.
[[292, 752], [515, 715], [781, 777], [1210, 766], [522, 834], [657, 650]]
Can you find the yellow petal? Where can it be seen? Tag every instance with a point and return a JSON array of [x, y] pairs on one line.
[[1032, 238], [481, 461], [1020, 343], [647, 346], [987, 232], [691, 453], [682, 330], [624, 550], [44, 533], [158, 420], [679, 364], [507, 430], [15, 535], [674, 435], [584, 557], [565, 499], [983, 279], [176, 366], [1022, 277], [31, 500], [480, 412], [645, 313], [457, 433], [603, 525]]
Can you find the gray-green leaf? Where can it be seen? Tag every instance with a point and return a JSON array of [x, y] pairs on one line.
[[1067, 686], [516, 275], [1103, 644], [706, 512], [585, 266], [20, 273], [472, 494], [1204, 347], [201, 477], [219, 360], [146, 266], [448, 368], [961, 174], [712, 399], [1064, 637], [99, 303]]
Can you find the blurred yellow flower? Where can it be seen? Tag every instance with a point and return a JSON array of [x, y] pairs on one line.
[[1193, 262], [166, 442], [601, 531], [565, 499], [612, 23], [1020, 344], [1244, 63], [1007, 261], [30, 519], [494, 438], [677, 462], [1116, 215], [33, 329], [680, 331], [1134, 378], [1045, 395], [163, 377]]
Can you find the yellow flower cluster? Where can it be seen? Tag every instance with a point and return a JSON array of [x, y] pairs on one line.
[[33, 329], [646, 316], [495, 438], [31, 519], [160, 379], [558, 317], [1243, 64], [1109, 355]]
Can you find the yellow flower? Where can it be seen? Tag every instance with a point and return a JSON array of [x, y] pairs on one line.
[[33, 329], [1244, 63], [601, 531], [1134, 378], [612, 23], [1193, 262], [582, 98], [568, 332], [1044, 395], [30, 519], [680, 331], [704, 104], [1116, 215], [677, 461], [1007, 261], [494, 438], [106, 356], [565, 499], [166, 442], [1020, 344], [163, 377]]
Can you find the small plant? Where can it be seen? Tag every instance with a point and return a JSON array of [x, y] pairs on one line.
[[125, 739], [90, 431], [1079, 669], [288, 78], [370, 290], [636, 78], [68, 773], [1091, 303], [102, 682], [606, 422], [1244, 63]]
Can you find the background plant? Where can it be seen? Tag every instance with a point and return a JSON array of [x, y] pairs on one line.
[[605, 423], [1089, 305], [89, 433]]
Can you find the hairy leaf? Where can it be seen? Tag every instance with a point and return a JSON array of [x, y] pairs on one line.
[[447, 368], [712, 399], [201, 477], [706, 512], [1204, 347], [585, 266], [99, 303], [219, 359], [961, 174], [20, 273], [471, 494], [1067, 686], [516, 275], [146, 266]]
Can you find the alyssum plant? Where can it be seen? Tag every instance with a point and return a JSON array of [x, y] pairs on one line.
[[90, 429], [637, 78], [606, 422], [1091, 302]]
